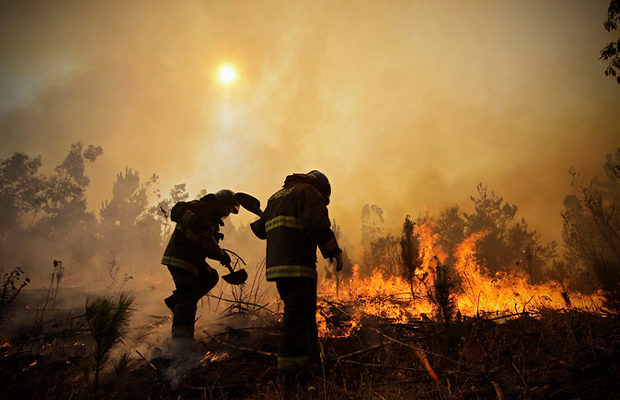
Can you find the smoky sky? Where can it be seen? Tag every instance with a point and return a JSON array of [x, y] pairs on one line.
[[404, 104]]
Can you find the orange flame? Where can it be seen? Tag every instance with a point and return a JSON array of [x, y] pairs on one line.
[[403, 300], [213, 357]]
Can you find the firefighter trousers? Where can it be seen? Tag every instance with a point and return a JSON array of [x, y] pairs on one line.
[[298, 332], [184, 299]]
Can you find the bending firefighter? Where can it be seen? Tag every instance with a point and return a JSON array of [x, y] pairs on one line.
[[294, 223], [195, 238]]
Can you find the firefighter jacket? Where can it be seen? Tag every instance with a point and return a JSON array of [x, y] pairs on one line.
[[195, 237], [294, 223]]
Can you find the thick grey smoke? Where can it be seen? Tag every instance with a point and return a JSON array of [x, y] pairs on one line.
[[403, 104]]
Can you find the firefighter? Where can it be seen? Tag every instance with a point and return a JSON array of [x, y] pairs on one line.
[[195, 238], [294, 223]]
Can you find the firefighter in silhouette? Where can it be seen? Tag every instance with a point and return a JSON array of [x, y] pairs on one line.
[[195, 238], [294, 223]]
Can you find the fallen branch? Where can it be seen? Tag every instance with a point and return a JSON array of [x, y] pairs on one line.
[[520, 376], [509, 315], [391, 339], [376, 346], [242, 348], [427, 365], [150, 364], [420, 353], [498, 390]]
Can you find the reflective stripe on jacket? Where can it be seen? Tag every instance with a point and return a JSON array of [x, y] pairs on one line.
[[180, 263]]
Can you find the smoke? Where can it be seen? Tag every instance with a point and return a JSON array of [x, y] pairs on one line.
[[406, 105]]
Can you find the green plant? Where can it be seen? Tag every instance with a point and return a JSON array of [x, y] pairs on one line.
[[121, 366], [410, 253], [442, 294], [108, 321], [11, 288]]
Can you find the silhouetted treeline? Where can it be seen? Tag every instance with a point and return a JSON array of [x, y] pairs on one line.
[[44, 217]]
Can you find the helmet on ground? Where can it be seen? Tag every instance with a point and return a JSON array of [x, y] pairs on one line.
[[226, 199], [321, 182]]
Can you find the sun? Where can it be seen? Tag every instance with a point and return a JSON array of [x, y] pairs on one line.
[[227, 74]]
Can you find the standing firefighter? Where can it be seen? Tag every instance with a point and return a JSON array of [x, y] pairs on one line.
[[294, 223], [195, 238]]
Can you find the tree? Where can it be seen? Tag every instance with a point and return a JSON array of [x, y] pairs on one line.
[[508, 243], [45, 215], [21, 190], [451, 226], [127, 229], [64, 207], [410, 253], [591, 229], [347, 264], [442, 294], [160, 212], [129, 200], [372, 230], [611, 52]]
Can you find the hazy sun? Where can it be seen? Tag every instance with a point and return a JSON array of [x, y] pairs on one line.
[[227, 74]]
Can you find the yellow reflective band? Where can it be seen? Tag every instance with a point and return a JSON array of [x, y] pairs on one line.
[[285, 363], [283, 220], [177, 262], [290, 271]]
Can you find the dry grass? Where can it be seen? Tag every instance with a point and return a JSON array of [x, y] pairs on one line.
[[551, 355]]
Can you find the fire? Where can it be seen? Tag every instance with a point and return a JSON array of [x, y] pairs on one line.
[[403, 301], [32, 364], [507, 291], [213, 357]]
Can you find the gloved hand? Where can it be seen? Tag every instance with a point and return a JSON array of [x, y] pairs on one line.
[[338, 259], [225, 258]]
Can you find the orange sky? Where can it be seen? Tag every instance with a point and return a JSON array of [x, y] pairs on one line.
[[405, 104]]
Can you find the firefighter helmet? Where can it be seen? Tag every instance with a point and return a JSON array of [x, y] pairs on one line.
[[226, 199], [321, 182]]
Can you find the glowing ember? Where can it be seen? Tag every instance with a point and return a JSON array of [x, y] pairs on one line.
[[32, 364], [213, 357]]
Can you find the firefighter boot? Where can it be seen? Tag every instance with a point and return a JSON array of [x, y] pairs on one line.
[[182, 340], [183, 332]]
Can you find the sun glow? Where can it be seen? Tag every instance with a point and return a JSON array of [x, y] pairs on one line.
[[227, 74]]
